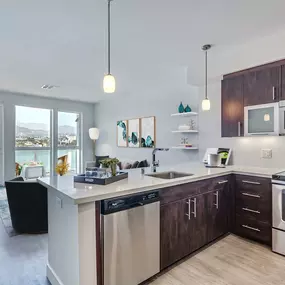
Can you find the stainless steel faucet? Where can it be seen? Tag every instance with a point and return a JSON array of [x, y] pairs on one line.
[[155, 163]]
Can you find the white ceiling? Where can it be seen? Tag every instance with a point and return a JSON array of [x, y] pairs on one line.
[[62, 42]]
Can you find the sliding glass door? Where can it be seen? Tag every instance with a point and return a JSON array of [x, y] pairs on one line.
[[69, 139], [1, 145], [33, 137], [45, 136]]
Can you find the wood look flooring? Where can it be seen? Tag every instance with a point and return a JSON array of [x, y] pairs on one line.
[[231, 261]]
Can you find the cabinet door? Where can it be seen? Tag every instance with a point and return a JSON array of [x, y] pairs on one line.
[[197, 230], [218, 213], [262, 86], [173, 232], [282, 95], [232, 107]]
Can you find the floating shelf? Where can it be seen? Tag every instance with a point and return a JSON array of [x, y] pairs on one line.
[[186, 148], [185, 131], [188, 114]]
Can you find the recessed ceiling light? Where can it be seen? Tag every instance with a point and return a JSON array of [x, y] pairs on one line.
[[48, 86]]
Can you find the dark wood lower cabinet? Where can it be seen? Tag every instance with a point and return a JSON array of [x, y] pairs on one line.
[[183, 229], [197, 223], [233, 203], [218, 213], [173, 228]]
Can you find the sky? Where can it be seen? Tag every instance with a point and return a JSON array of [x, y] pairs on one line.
[[42, 116]]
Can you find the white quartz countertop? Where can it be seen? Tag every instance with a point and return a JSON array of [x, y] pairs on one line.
[[81, 193]]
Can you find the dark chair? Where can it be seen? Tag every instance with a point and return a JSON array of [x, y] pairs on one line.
[[28, 206]]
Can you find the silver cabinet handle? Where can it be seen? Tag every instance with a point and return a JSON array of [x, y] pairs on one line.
[[238, 129], [250, 228], [223, 182], [189, 209], [251, 182], [217, 199], [195, 207], [252, 211], [274, 93], [250, 195]]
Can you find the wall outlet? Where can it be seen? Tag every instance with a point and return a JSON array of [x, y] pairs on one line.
[[58, 202], [266, 153]]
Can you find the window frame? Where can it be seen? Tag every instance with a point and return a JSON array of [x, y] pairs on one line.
[[54, 147]]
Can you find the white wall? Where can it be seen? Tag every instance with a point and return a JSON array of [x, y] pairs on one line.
[[247, 151], [9, 100], [143, 103]]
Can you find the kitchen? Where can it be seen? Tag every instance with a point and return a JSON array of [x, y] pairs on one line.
[[145, 224], [99, 246], [78, 242]]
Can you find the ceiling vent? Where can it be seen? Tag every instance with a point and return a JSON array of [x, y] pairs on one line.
[[49, 87]]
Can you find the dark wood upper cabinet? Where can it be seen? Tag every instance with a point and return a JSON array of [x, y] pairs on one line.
[[282, 95], [232, 107], [262, 86]]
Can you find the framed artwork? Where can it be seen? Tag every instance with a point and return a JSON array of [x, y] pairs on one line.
[[134, 133], [148, 132], [122, 130]]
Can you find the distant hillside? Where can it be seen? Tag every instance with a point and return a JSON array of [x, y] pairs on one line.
[[28, 129], [66, 130], [22, 131], [34, 126]]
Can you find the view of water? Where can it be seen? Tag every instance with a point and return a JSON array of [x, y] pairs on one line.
[[43, 156]]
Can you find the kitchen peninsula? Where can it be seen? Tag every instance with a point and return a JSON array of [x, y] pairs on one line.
[[205, 206]]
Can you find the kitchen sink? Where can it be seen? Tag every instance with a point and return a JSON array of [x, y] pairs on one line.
[[169, 175]]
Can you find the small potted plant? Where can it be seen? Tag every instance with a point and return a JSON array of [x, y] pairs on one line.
[[111, 163]]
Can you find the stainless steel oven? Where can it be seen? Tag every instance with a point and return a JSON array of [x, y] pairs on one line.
[[278, 213]]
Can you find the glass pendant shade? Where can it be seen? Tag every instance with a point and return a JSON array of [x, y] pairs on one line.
[[266, 118], [109, 83], [206, 105]]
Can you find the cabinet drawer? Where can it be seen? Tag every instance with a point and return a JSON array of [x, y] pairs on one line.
[[253, 229], [253, 208], [253, 187], [183, 191]]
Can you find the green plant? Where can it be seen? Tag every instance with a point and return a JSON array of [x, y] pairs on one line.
[[109, 161], [112, 163]]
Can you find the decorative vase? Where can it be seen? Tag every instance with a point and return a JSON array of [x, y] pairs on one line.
[[113, 169], [181, 108], [187, 109]]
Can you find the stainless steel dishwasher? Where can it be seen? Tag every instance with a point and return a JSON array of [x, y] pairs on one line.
[[131, 238]]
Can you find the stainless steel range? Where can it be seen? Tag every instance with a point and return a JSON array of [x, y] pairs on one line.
[[278, 215]]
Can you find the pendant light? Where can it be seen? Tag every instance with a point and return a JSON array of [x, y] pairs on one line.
[[206, 105], [109, 82], [266, 118]]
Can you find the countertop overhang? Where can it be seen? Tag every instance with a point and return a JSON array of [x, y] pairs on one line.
[[80, 193]]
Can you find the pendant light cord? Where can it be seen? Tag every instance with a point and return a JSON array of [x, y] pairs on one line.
[[109, 36], [206, 75]]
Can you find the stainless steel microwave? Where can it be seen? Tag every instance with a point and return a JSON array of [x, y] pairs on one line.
[[265, 119]]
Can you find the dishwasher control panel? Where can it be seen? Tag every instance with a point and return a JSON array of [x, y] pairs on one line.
[[127, 202]]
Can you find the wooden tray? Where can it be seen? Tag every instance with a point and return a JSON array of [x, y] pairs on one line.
[[82, 178]]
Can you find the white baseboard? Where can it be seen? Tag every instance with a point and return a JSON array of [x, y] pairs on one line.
[[52, 277]]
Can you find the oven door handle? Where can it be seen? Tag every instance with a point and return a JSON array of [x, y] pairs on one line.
[[277, 197]]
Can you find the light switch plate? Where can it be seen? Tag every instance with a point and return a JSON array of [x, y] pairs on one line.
[[58, 202], [266, 153]]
